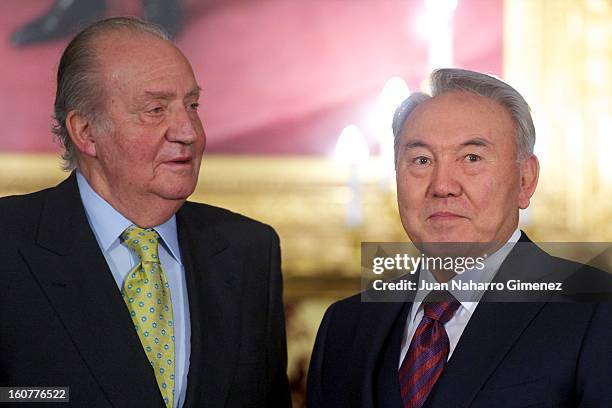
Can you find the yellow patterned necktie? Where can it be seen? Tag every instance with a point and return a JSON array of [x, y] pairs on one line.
[[147, 295]]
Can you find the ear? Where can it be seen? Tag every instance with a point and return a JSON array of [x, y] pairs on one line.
[[530, 171], [79, 129]]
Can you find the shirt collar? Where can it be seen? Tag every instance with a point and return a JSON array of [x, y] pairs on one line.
[[168, 232], [108, 224], [469, 303]]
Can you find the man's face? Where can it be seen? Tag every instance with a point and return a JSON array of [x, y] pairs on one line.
[[457, 174], [157, 140]]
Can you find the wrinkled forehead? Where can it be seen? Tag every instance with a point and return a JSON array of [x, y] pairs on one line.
[[126, 47], [133, 63], [455, 115]]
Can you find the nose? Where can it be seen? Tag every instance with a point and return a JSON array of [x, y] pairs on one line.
[[444, 181], [185, 127]]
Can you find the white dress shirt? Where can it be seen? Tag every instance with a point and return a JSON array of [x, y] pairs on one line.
[[469, 300], [108, 225]]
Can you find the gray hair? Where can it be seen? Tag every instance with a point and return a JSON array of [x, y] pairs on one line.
[[453, 79], [78, 85]]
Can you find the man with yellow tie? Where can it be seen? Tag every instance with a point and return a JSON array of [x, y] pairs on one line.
[[114, 285]]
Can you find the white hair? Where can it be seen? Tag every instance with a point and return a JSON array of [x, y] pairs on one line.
[[453, 79]]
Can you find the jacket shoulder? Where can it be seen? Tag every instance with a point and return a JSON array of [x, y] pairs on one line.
[[348, 311], [20, 214], [224, 220]]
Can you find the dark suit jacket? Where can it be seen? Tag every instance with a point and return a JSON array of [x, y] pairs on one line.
[[543, 353], [63, 321]]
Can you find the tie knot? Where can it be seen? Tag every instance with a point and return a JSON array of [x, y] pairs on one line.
[[440, 306], [142, 241]]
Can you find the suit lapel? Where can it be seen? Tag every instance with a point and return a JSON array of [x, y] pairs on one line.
[[214, 289], [491, 332], [373, 337], [372, 333], [488, 337], [70, 268], [388, 385]]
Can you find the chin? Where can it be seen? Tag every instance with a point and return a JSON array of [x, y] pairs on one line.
[[443, 241], [176, 190], [452, 245], [428, 233], [450, 236], [180, 194]]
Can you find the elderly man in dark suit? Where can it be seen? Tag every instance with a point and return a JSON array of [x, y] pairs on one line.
[[465, 166], [114, 285]]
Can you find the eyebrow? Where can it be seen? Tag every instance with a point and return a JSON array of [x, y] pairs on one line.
[[415, 144], [194, 92], [477, 141], [170, 95]]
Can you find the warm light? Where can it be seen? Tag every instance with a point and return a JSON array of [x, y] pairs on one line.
[[441, 7], [543, 139], [573, 137], [393, 93], [605, 147], [437, 27], [351, 147]]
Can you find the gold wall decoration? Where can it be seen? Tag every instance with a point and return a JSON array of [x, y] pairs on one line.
[[558, 53]]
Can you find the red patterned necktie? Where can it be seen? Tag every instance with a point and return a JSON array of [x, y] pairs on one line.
[[428, 350]]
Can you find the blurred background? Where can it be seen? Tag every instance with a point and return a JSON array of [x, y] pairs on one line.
[[297, 104]]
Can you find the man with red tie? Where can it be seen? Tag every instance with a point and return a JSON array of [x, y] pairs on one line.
[[465, 166]]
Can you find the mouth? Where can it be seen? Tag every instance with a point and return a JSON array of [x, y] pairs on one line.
[[179, 161], [444, 216]]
